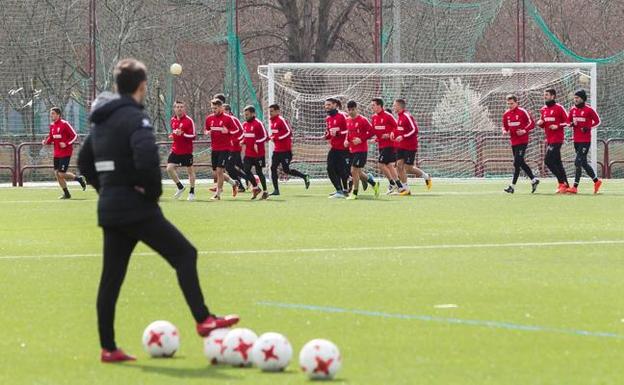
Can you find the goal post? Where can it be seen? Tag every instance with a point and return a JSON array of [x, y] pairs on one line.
[[458, 107]]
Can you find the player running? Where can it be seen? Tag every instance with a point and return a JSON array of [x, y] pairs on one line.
[[359, 130], [62, 136], [583, 118], [517, 123], [254, 137], [384, 125], [406, 141], [183, 133], [554, 119], [338, 156], [281, 135], [234, 165], [221, 128]]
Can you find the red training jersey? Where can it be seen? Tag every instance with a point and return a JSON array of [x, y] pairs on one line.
[[384, 123], [554, 115], [281, 134], [62, 132], [183, 143], [518, 119], [358, 127], [220, 141], [236, 136], [585, 119], [254, 133], [408, 129], [336, 122]]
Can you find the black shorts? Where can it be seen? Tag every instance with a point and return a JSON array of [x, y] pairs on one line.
[[408, 156], [185, 160], [281, 158], [250, 161], [61, 164], [387, 155], [358, 159], [235, 159], [219, 159]]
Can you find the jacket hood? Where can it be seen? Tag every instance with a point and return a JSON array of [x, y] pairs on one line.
[[107, 103]]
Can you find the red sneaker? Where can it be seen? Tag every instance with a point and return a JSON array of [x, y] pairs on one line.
[[212, 189], [597, 185], [562, 189], [115, 356], [212, 322], [234, 191], [572, 190], [255, 192]]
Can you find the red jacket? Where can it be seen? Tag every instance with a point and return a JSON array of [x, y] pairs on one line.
[[281, 134], [237, 136], [62, 132], [556, 115], [183, 143], [359, 127], [254, 134], [220, 141], [336, 121], [384, 123], [518, 119], [408, 129], [585, 119]]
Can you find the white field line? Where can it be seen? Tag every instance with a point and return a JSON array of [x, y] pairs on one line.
[[349, 249]]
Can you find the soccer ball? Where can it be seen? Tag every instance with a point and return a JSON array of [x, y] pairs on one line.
[[237, 347], [213, 346], [161, 339], [175, 69], [320, 359], [271, 352]]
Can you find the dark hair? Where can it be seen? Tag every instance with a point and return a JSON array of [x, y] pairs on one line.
[[401, 102], [57, 110], [378, 101], [512, 97], [389, 111], [227, 107], [251, 109], [129, 74], [216, 102], [221, 97], [351, 104], [338, 103], [274, 106], [551, 91], [178, 101], [332, 100]]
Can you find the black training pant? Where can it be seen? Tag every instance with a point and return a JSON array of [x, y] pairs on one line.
[[582, 149], [338, 168], [166, 240], [552, 159], [519, 151]]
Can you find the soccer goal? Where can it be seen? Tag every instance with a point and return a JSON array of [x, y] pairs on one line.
[[458, 108]]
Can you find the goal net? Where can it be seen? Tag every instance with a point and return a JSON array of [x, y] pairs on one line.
[[458, 108]]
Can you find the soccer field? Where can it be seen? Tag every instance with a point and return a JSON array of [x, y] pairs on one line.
[[460, 285]]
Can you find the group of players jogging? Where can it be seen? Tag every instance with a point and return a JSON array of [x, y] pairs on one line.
[[348, 134]]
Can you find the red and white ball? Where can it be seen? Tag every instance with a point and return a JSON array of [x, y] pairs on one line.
[[213, 346], [320, 359], [272, 352], [237, 347], [161, 339]]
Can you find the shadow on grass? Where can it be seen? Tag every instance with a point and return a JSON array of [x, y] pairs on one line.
[[208, 371]]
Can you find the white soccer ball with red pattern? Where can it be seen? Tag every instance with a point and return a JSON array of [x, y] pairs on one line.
[[237, 347], [272, 352], [320, 359], [213, 346], [161, 339]]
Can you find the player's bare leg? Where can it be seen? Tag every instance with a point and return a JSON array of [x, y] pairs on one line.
[[191, 174], [171, 170], [220, 179]]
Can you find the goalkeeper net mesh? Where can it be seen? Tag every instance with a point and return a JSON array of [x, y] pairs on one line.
[[458, 108]]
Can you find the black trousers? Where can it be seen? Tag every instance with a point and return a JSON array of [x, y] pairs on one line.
[[234, 167], [338, 168], [165, 239], [519, 151], [582, 149], [552, 159]]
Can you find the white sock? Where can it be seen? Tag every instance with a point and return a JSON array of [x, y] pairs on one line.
[[425, 176]]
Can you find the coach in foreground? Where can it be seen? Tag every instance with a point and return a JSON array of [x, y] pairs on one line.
[[120, 159]]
